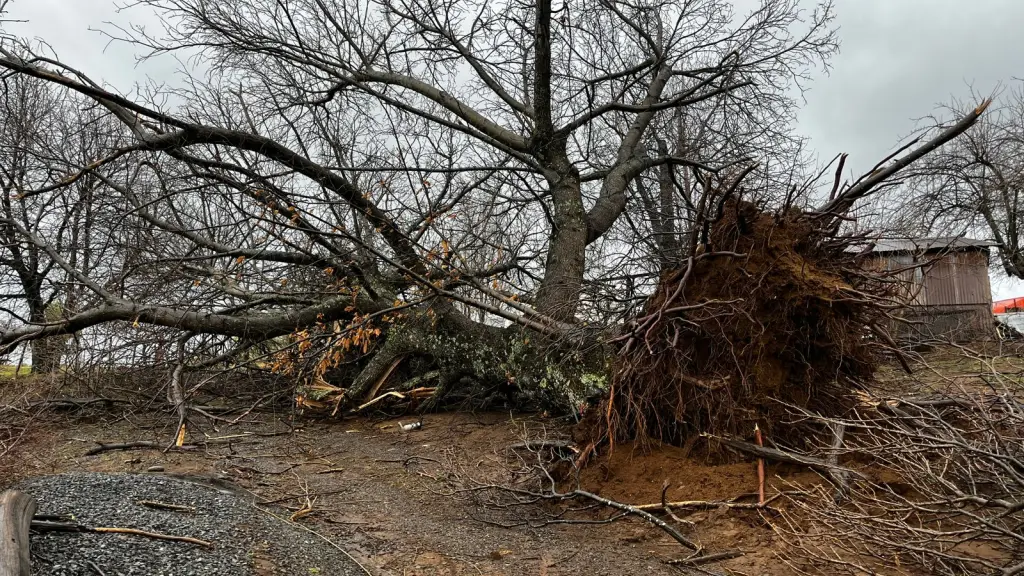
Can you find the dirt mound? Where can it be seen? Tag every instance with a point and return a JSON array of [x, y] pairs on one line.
[[774, 311], [637, 474]]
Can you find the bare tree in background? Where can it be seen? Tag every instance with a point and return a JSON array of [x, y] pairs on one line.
[[973, 185], [48, 208]]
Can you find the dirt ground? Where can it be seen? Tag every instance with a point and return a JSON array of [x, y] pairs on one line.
[[403, 503], [396, 500]]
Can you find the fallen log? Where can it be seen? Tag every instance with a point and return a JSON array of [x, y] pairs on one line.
[[16, 511], [788, 457]]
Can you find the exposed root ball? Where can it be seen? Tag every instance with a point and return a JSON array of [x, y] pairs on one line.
[[787, 318]]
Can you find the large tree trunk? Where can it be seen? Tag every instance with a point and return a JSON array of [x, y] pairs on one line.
[[46, 352], [46, 355], [479, 360], [559, 293]]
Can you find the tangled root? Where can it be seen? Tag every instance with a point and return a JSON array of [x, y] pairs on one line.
[[776, 312]]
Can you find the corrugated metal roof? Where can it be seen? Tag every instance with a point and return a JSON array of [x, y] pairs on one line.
[[929, 244]]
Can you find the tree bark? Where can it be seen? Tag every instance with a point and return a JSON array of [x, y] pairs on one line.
[[473, 358], [46, 352], [45, 355], [559, 293]]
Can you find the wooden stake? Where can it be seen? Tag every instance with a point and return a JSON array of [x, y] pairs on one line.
[[760, 467]]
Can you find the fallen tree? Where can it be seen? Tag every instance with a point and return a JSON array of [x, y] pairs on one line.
[[331, 209]]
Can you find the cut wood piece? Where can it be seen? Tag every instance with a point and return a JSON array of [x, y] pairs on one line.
[[384, 378], [16, 511]]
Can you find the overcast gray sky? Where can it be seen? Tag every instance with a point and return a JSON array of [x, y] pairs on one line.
[[899, 59]]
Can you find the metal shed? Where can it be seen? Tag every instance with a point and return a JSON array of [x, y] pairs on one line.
[[945, 286]]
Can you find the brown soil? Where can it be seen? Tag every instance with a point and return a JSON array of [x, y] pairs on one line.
[[386, 496]]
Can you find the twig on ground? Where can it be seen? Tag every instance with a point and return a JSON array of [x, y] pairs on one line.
[[165, 506], [706, 559], [42, 526], [73, 403], [667, 509], [310, 494], [637, 512], [155, 535], [539, 445], [288, 468], [148, 444], [122, 446], [331, 471], [709, 504], [318, 535]]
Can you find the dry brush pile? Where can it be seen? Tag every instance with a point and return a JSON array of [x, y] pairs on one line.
[[943, 493]]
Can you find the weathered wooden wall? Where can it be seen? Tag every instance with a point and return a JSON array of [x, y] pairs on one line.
[[948, 297]]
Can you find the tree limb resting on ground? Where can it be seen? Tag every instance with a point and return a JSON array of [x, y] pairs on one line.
[[789, 457]]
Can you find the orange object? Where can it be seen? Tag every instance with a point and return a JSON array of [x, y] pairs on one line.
[[1008, 305], [760, 467], [180, 441]]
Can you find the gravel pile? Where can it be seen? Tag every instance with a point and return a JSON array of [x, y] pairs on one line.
[[246, 540]]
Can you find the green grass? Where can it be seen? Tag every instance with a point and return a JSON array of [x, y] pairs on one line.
[[7, 371]]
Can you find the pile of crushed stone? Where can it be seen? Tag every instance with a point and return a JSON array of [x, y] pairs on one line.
[[246, 541]]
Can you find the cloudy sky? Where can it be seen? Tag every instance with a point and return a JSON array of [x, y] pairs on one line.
[[899, 59]]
